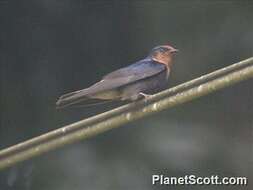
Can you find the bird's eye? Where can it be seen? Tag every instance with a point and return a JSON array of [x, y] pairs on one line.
[[163, 50], [166, 50]]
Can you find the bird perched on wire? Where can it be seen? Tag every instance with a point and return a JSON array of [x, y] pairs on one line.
[[136, 81]]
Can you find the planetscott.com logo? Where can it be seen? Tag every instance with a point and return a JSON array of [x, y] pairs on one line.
[[198, 180]]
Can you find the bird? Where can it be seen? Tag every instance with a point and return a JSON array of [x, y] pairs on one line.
[[131, 83]]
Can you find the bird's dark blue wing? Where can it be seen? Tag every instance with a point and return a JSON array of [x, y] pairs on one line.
[[130, 74], [137, 71]]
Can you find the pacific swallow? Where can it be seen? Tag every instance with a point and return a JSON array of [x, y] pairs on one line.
[[136, 81]]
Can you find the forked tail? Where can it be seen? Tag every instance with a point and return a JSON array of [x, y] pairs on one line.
[[78, 99]]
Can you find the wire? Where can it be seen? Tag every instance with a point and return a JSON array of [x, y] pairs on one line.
[[89, 121], [100, 123]]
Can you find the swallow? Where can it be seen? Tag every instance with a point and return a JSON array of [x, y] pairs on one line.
[[136, 81]]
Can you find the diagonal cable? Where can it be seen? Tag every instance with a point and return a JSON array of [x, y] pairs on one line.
[[100, 123]]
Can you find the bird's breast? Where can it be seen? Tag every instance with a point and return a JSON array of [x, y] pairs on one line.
[[167, 72], [148, 85]]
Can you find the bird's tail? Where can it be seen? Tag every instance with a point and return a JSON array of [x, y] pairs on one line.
[[78, 99]]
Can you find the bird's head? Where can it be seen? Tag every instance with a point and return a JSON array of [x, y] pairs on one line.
[[163, 54]]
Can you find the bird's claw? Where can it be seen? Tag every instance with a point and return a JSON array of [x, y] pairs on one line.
[[145, 96]]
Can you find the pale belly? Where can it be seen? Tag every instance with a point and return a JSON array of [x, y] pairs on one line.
[[107, 95]]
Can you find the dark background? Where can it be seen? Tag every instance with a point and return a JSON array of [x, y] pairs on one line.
[[51, 47]]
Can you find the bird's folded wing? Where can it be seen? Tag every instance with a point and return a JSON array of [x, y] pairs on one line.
[[119, 78], [127, 76]]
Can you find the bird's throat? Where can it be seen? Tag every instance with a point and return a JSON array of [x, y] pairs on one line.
[[163, 60]]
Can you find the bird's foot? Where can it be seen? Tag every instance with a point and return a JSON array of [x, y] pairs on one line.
[[140, 96], [143, 95]]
